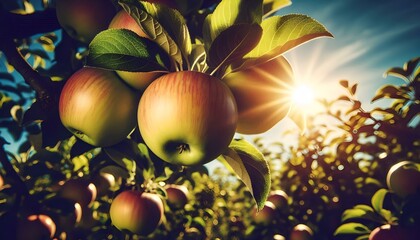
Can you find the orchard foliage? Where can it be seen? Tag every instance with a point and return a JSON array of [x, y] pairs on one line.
[[334, 178]]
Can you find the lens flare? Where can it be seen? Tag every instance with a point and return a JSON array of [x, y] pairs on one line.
[[303, 95]]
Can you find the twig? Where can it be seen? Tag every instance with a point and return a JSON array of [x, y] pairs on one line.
[[13, 26]]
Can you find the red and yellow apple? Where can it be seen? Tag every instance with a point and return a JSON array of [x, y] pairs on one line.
[[301, 232], [83, 19], [36, 227], [177, 195], [262, 93], [279, 198], [266, 215], [403, 178], [137, 212], [394, 232], [138, 80], [98, 107], [187, 118], [79, 190]]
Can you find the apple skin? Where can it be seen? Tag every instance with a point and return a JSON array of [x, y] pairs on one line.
[[137, 80], [393, 232], [83, 19], [403, 178], [262, 94], [103, 182], [177, 196], [266, 215], [137, 212], [279, 198], [98, 107], [79, 190], [187, 118], [301, 232], [36, 227]]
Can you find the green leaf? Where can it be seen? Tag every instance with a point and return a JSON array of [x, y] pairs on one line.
[[352, 213], [173, 23], [228, 13], [352, 228], [128, 155], [272, 6], [122, 49], [390, 91], [358, 213], [233, 43], [139, 10], [363, 237], [283, 33], [378, 200], [249, 164], [364, 207], [404, 72]]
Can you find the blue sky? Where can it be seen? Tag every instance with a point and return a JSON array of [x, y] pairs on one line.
[[369, 38]]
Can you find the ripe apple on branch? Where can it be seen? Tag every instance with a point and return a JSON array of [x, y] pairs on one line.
[[151, 84]]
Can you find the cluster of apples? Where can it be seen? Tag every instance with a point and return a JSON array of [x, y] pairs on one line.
[[403, 180], [277, 202], [59, 215], [184, 117]]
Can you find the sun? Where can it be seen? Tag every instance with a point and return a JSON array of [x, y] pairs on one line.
[[303, 95]]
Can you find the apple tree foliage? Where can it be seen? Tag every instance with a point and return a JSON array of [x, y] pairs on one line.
[[335, 176]]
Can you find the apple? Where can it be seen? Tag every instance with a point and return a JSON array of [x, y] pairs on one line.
[[394, 232], [177, 195], [262, 94], [301, 232], [66, 213], [403, 178], [36, 227], [82, 19], [278, 237], [279, 198], [187, 117], [79, 190], [98, 107], [266, 215], [137, 212], [103, 182], [137, 80]]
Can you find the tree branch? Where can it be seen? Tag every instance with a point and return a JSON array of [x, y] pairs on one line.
[[13, 26]]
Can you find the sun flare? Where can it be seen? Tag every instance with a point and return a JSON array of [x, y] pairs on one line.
[[303, 95]]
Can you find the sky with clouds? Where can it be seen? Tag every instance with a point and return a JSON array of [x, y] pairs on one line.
[[369, 38]]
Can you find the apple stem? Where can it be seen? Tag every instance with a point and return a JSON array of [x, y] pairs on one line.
[[183, 147]]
